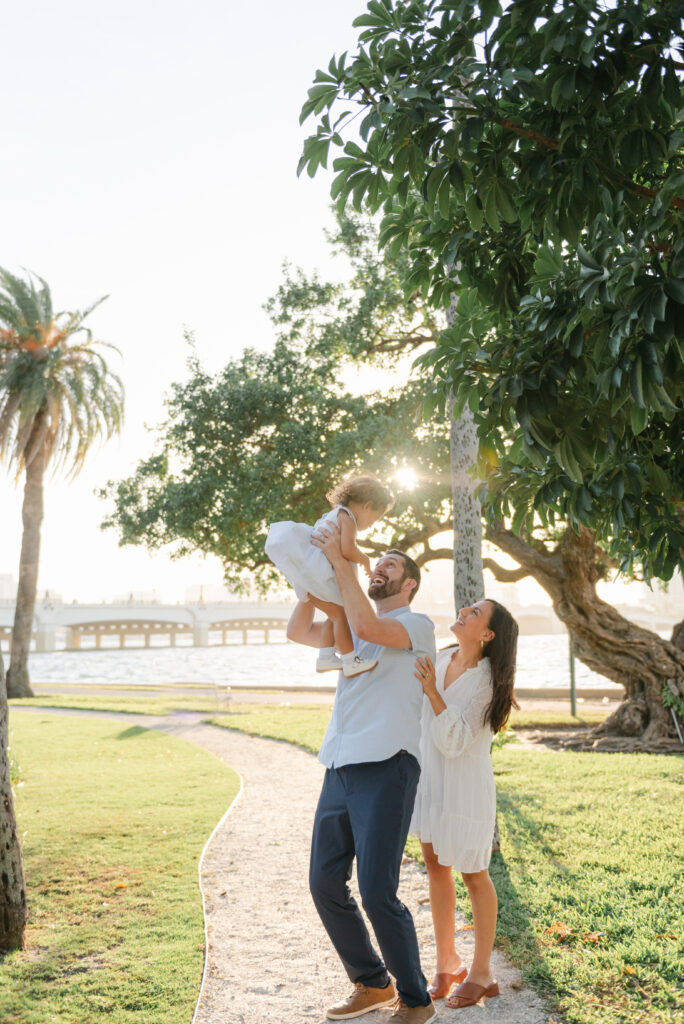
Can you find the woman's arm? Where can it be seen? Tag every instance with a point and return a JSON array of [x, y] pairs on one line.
[[456, 728], [426, 675]]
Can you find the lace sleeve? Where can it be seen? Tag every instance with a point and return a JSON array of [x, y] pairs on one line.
[[455, 729]]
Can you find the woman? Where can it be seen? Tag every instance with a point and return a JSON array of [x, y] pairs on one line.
[[468, 698]]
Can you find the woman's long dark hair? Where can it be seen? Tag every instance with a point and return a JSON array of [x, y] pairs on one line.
[[502, 652]]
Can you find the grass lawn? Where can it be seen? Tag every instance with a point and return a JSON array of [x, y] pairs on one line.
[[164, 704], [590, 880], [113, 820], [305, 725], [278, 716]]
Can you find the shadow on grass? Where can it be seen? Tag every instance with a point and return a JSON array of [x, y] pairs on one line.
[[131, 732], [516, 932]]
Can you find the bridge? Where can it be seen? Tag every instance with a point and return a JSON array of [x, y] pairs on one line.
[[106, 626], [137, 623]]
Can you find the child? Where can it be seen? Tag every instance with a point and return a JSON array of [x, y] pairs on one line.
[[357, 502]]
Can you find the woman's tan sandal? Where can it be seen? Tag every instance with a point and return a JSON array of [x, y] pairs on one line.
[[442, 983], [468, 994]]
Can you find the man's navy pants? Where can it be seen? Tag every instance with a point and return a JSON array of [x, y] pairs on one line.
[[364, 811]]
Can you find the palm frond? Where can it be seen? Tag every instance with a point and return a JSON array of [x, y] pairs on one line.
[[61, 403], [24, 297]]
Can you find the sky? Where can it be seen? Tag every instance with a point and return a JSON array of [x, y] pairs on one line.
[[150, 154]]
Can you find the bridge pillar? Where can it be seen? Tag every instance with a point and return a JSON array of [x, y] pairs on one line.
[[200, 634], [46, 637], [73, 640]]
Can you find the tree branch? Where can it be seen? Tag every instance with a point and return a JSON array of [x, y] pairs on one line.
[[549, 143], [538, 560], [505, 575], [431, 555]]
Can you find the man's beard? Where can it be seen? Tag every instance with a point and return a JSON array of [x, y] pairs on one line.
[[378, 591]]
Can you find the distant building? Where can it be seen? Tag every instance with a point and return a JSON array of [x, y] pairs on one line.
[[8, 587]]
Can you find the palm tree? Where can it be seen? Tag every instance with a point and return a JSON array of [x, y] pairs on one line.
[[13, 911], [57, 396]]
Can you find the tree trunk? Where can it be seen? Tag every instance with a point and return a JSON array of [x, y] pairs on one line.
[[12, 892], [467, 512], [18, 684], [602, 638]]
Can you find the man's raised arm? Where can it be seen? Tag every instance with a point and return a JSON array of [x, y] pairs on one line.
[[302, 629], [360, 613]]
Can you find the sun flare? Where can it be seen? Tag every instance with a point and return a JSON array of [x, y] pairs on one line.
[[406, 478]]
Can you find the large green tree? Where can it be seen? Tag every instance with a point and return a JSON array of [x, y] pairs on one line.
[[263, 440], [270, 420], [529, 161], [57, 397]]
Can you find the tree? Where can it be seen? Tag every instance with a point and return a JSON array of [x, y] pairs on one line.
[[13, 912], [545, 162], [369, 319], [264, 440], [264, 412], [535, 153], [57, 397]]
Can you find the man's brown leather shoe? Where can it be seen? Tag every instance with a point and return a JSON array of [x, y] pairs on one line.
[[403, 1014], [362, 1000]]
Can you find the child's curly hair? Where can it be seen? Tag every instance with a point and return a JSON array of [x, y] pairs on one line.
[[361, 489]]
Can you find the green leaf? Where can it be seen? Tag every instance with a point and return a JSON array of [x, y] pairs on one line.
[[675, 289], [587, 260], [490, 211], [636, 382], [474, 211], [505, 204], [444, 197]]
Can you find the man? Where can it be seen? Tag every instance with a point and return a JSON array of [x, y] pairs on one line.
[[371, 750]]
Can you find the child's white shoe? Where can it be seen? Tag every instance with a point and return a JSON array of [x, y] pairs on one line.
[[357, 667], [328, 663]]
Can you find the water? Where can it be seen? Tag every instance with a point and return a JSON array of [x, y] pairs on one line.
[[542, 662]]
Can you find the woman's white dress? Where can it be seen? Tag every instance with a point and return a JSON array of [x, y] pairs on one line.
[[304, 566], [455, 806]]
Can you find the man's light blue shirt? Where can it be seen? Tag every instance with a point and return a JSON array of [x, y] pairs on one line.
[[378, 713]]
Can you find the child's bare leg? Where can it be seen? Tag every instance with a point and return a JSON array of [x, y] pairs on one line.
[[342, 633], [327, 634], [327, 660], [351, 665]]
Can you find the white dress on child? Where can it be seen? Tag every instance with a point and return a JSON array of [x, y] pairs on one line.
[[455, 806], [304, 566]]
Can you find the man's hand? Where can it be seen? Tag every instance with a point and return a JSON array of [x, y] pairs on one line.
[[327, 539]]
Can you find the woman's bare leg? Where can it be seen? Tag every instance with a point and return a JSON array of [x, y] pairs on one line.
[[442, 906], [484, 903]]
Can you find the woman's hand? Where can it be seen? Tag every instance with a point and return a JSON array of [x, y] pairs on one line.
[[425, 673]]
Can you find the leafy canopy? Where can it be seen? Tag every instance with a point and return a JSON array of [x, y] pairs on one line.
[[57, 393], [264, 440], [530, 160]]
